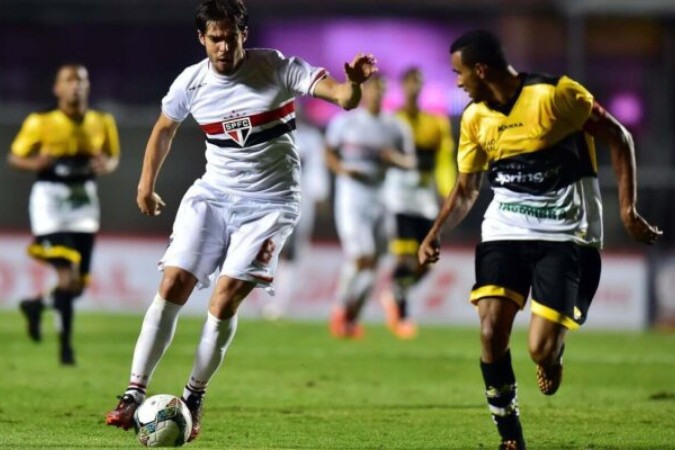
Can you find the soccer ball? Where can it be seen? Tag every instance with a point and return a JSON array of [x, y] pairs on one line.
[[163, 420]]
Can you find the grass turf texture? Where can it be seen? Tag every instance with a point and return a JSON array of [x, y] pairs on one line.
[[290, 386]]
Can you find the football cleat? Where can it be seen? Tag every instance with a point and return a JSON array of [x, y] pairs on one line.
[[549, 378], [123, 414], [195, 405], [32, 310], [342, 328], [404, 329], [512, 445]]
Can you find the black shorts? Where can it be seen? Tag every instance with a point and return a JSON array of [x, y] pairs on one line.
[[64, 248], [410, 232], [562, 276]]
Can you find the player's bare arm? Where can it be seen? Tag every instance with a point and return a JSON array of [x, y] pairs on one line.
[[104, 164], [335, 165], [348, 94], [396, 158], [604, 127], [34, 163], [156, 151], [455, 208]]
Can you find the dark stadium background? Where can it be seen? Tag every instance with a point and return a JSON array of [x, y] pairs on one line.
[[622, 50]]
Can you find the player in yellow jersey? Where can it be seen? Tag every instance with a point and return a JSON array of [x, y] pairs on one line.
[[67, 148], [412, 197], [534, 137]]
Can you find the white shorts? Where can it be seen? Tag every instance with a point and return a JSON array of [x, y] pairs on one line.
[[60, 207], [239, 236], [360, 219]]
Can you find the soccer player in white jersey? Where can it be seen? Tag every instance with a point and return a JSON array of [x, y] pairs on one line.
[[233, 221], [362, 145], [534, 136], [314, 182]]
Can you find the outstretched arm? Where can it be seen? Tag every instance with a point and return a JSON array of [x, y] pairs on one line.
[[156, 150], [455, 208], [606, 128], [347, 94]]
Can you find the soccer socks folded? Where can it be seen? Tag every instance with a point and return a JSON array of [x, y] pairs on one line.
[[159, 326], [502, 398], [216, 337]]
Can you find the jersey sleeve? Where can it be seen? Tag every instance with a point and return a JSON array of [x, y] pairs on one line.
[[175, 104], [572, 102], [111, 147], [446, 163], [298, 76], [471, 158], [28, 140]]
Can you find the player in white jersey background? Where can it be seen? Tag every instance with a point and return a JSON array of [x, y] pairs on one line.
[[362, 145], [233, 221], [315, 184]]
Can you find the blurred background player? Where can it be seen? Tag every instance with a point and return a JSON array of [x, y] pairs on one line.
[[233, 221], [533, 135], [67, 148], [412, 196], [315, 184], [362, 145]]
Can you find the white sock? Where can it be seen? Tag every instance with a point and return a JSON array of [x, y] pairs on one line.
[[159, 326], [216, 337], [345, 286], [361, 288]]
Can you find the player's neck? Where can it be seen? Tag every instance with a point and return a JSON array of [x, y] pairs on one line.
[[374, 109], [411, 107], [73, 110], [505, 86]]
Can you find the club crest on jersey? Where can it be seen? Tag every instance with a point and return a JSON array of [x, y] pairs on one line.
[[238, 129]]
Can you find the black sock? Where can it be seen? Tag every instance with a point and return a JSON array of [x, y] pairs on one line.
[[502, 398], [63, 304], [403, 279]]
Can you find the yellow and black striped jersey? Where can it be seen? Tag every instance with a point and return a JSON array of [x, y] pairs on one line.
[[71, 142], [434, 147], [541, 164]]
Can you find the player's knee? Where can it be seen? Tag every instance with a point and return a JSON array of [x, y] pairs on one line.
[[366, 262], [493, 339], [176, 285], [542, 351]]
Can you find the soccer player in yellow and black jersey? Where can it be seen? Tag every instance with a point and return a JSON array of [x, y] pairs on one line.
[[67, 148], [413, 198], [534, 136]]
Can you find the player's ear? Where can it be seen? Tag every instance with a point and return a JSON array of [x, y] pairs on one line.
[[201, 37], [244, 35], [481, 70]]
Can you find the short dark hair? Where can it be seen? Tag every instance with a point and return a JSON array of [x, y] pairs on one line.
[[233, 11], [480, 47]]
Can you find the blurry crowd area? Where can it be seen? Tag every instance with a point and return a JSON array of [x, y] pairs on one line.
[[622, 51]]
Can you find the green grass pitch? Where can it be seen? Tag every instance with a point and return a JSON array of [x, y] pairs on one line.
[[288, 385]]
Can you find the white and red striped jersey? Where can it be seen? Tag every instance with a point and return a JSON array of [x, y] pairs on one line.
[[248, 118]]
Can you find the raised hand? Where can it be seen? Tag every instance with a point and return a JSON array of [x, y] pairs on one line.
[[361, 68]]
